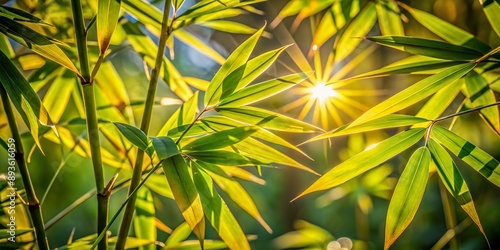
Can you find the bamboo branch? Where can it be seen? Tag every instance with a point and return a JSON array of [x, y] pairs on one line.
[[165, 32], [33, 204], [92, 125]]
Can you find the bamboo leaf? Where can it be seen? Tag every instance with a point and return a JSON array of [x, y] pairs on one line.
[[388, 121], [447, 31], [388, 18], [235, 191], [416, 92], [410, 65], [266, 119], [440, 101], [480, 94], [186, 196], [108, 12], [262, 90], [221, 157], [164, 146], [36, 42], [248, 72], [113, 88], [260, 152], [366, 160], [454, 181], [234, 61], [59, 92], [359, 27], [144, 11], [144, 219], [199, 45], [182, 116], [179, 234], [491, 8], [220, 139], [177, 4], [133, 134], [23, 97], [478, 159], [240, 173], [19, 15], [407, 195], [426, 47], [218, 213], [156, 183], [230, 27]]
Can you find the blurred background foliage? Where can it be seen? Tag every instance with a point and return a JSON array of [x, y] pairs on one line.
[[355, 210]]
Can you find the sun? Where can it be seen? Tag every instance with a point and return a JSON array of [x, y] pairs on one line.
[[322, 92]]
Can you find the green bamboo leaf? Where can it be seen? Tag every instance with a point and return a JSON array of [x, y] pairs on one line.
[[440, 101], [447, 31], [220, 157], [134, 135], [388, 121], [182, 116], [235, 191], [23, 97], [304, 9], [411, 65], [480, 94], [491, 8], [144, 11], [266, 119], [260, 152], [478, 159], [144, 219], [366, 160], [164, 146], [416, 92], [334, 20], [262, 90], [5, 233], [194, 245], [59, 92], [454, 181], [179, 234], [19, 15], [407, 195], [388, 18], [361, 24], [179, 177], [6, 47], [426, 47], [231, 27], [224, 13], [218, 213], [108, 12], [242, 174], [248, 72], [234, 61], [220, 139], [36, 42]]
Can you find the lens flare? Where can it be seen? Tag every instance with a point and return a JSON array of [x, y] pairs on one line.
[[322, 92]]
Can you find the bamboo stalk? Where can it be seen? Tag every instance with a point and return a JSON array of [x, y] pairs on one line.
[[165, 32], [33, 204], [92, 125]]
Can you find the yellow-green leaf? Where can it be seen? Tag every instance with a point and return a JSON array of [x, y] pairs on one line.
[[439, 102], [236, 59], [262, 90], [23, 97], [134, 135], [59, 92], [491, 8], [164, 147], [454, 181], [416, 92], [108, 12], [266, 119], [388, 18], [366, 160], [407, 195], [218, 213], [186, 196], [185, 114], [144, 219], [478, 159], [480, 94], [427, 47], [36, 42], [220, 139]]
